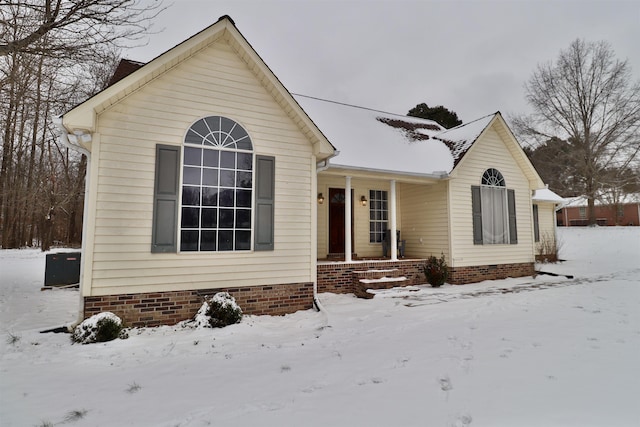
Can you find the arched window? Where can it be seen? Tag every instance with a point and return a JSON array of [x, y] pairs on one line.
[[217, 181], [493, 177], [494, 220]]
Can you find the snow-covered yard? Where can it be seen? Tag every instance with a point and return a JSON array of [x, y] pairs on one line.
[[548, 351]]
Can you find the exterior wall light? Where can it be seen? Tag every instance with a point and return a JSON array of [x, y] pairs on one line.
[[363, 201], [320, 198]]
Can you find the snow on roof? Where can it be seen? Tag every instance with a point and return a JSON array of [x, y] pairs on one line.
[[546, 195], [462, 137], [376, 140], [581, 201]]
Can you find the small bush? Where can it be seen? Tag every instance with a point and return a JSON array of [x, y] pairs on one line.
[[436, 271], [547, 248], [74, 416], [134, 388], [13, 338], [218, 311], [101, 327]]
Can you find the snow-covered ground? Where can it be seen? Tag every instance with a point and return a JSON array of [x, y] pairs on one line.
[[548, 351]]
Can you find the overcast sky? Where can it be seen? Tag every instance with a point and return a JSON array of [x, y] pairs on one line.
[[471, 56]]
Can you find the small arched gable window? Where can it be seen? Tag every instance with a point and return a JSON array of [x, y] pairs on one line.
[[218, 132], [493, 177]]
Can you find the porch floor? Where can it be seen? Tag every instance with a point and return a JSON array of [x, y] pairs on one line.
[[356, 260]]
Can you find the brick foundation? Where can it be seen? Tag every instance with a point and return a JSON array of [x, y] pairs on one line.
[[462, 275], [338, 277], [168, 308]]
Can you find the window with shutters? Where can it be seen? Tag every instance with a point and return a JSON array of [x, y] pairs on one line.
[[536, 224], [217, 185], [494, 220]]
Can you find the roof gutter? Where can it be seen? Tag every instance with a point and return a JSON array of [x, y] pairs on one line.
[[434, 175], [324, 165], [71, 141]]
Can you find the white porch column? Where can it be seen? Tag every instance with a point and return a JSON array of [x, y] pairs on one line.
[[392, 220], [347, 219]]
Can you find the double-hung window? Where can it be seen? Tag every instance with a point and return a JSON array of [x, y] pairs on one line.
[[378, 215], [494, 219]]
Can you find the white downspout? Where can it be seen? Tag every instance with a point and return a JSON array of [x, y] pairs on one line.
[[324, 167], [63, 137]]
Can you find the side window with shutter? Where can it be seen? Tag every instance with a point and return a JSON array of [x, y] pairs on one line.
[[165, 199], [536, 224], [511, 205], [476, 207], [265, 195]]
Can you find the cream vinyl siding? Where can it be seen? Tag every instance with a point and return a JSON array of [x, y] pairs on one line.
[[546, 219], [213, 82], [360, 187], [489, 151], [425, 224]]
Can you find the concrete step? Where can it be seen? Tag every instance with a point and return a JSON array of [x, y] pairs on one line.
[[362, 286]]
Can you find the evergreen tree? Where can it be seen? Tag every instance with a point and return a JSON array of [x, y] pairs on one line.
[[439, 114]]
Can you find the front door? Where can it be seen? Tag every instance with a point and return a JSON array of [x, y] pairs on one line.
[[336, 220]]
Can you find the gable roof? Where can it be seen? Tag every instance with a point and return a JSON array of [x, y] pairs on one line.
[[374, 140], [465, 140], [379, 141], [83, 116], [461, 138]]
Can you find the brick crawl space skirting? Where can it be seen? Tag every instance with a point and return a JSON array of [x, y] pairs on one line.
[[168, 308]]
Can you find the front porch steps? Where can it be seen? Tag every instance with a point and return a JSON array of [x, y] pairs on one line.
[[376, 279]]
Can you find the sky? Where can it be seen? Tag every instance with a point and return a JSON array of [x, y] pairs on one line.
[[471, 56]]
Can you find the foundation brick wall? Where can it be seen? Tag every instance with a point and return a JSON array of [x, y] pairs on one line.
[[168, 308], [339, 277], [462, 275]]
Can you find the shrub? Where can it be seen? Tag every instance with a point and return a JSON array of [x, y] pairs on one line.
[[436, 271], [101, 327], [547, 248], [218, 311]]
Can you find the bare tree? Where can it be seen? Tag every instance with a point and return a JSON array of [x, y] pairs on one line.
[[53, 55], [587, 97], [73, 28]]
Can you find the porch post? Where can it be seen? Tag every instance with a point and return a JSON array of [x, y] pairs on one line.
[[392, 220], [347, 219]]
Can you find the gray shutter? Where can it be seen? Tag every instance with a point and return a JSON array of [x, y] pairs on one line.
[[476, 207], [536, 225], [265, 191], [513, 231], [165, 199]]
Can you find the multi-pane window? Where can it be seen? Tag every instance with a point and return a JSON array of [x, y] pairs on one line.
[[217, 181], [378, 215]]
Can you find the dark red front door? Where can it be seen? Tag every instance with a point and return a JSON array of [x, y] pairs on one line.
[[336, 220]]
